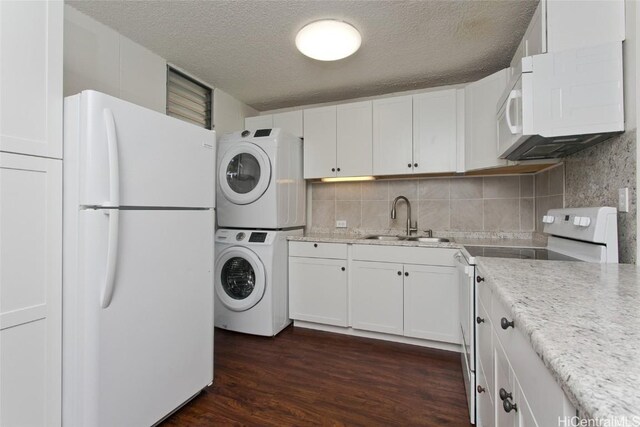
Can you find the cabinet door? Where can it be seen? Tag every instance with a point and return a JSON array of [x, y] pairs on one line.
[[376, 296], [290, 121], [31, 77], [481, 99], [354, 143], [484, 343], [525, 415], [535, 38], [434, 132], [486, 409], [431, 303], [320, 142], [30, 290], [318, 290], [393, 136], [258, 122], [504, 380]]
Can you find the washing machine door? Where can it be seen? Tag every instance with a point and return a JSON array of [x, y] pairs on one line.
[[240, 278], [244, 173]]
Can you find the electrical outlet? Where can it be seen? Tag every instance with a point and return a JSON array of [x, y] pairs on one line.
[[341, 224], [623, 199]]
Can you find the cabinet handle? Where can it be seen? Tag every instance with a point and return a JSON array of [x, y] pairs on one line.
[[481, 389], [342, 268], [315, 245], [415, 165], [409, 165], [479, 279], [479, 320], [406, 273], [399, 273], [506, 324], [509, 406], [504, 394], [333, 169]]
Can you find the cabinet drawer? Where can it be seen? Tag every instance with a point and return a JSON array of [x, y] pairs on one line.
[[483, 292], [484, 344], [405, 255], [318, 250]]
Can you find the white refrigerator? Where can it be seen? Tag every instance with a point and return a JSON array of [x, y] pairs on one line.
[[137, 262]]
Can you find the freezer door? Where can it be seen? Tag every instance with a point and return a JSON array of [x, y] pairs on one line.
[[151, 348], [128, 155]]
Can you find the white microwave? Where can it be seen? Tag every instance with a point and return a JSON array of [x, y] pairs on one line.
[[562, 103]]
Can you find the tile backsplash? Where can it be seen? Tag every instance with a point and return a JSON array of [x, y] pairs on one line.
[[496, 203], [549, 192]]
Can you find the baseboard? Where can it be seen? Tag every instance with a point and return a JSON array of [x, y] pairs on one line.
[[378, 336]]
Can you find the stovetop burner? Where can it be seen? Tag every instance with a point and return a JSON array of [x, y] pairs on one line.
[[519, 253]]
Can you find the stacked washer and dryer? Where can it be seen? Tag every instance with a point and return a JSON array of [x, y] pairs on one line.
[[260, 201]]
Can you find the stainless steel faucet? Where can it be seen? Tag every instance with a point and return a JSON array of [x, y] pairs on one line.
[[410, 228]]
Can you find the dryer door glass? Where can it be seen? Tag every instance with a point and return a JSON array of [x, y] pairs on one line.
[[238, 278], [243, 173]]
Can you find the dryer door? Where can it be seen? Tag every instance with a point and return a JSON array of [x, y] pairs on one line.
[[244, 173], [240, 278]]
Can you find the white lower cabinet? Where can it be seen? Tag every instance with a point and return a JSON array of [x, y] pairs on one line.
[[431, 303], [485, 415], [318, 290], [377, 297], [30, 290]]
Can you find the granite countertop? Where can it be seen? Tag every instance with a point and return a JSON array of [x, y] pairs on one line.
[[583, 320], [456, 243]]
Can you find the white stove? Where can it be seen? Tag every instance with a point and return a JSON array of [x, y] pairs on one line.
[[575, 234]]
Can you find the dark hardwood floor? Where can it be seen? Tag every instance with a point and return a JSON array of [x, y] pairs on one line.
[[306, 377]]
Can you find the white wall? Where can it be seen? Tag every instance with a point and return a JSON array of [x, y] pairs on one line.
[[99, 58], [229, 113]]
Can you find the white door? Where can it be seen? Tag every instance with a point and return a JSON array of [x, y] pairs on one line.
[[318, 290], [435, 138], [151, 347], [152, 159], [354, 139], [259, 122], [31, 77], [431, 303], [377, 297], [320, 142], [290, 121], [504, 381], [481, 100], [392, 136], [240, 278], [485, 406], [30, 290], [244, 173]]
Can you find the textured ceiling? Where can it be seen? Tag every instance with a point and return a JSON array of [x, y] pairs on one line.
[[246, 47]]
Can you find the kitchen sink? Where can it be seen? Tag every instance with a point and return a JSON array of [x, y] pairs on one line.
[[385, 238], [426, 239]]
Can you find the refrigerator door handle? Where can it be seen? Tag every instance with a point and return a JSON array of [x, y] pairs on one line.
[[114, 168], [112, 257]]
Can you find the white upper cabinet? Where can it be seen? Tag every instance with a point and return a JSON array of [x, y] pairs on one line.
[[320, 142], [31, 78], [259, 122], [337, 140], [354, 139], [393, 136], [435, 135], [290, 121], [481, 99]]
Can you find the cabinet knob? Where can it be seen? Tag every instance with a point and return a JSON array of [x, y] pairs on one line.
[[315, 245], [399, 273], [509, 406], [342, 268], [504, 394], [506, 324], [406, 273], [409, 165], [481, 389], [338, 169], [479, 279], [479, 320], [415, 165]]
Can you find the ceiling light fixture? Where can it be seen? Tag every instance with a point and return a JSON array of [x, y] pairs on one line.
[[328, 40]]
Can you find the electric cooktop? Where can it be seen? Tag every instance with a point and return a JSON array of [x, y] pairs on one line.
[[519, 253]]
